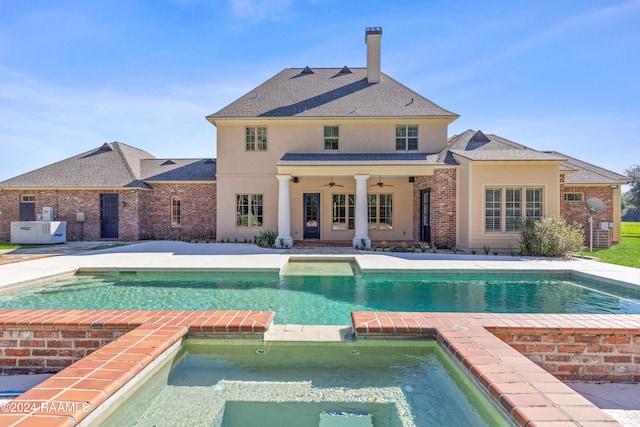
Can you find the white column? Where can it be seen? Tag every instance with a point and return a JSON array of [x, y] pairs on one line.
[[362, 226], [284, 238]]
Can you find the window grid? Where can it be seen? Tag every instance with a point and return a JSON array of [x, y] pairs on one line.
[[406, 137], [331, 135], [513, 211], [380, 211], [176, 216], [534, 203], [255, 135], [249, 210], [573, 197], [27, 198], [493, 210], [343, 214]]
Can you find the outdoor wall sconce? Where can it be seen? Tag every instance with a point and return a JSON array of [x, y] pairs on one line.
[[123, 204], [412, 179], [614, 186], [295, 179]]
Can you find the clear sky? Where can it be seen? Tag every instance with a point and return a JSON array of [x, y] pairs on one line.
[[558, 75]]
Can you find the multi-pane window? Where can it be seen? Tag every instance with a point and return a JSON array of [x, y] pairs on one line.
[[255, 138], [380, 211], [343, 212], [573, 197], [176, 218], [534, 203], [406, 137], [508, 203], [331, 134], [493, 210], [513, 212], [28, 198], [249, 210]]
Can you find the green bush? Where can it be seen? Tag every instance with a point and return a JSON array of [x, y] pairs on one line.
[[266, 239], [551, 237]]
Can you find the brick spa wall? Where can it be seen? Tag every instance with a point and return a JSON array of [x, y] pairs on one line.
[[608, 357], [198, 211], [577, 212], [66, 204], [48, 351]]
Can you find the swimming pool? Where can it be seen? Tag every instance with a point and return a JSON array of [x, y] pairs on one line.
[[395, 384], [327, 300]]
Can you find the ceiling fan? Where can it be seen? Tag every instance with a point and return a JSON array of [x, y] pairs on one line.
[[380, 184], [332, 184]]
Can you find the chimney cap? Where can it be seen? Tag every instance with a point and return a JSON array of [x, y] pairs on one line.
[[373, 30]]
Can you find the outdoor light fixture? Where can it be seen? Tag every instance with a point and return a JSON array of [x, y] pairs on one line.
[[295, 179], [123, 204], [412, 179]]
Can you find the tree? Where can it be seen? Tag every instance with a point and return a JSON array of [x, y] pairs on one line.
[[632, 197]]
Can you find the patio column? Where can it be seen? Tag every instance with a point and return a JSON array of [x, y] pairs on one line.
[[361, 218], [284, 213]]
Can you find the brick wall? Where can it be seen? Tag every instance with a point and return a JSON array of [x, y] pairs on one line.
[[443, 208], [48, 351], [583, 357], [145, 214], [577, 211], [198, 211]]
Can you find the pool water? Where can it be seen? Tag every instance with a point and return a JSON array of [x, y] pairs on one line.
[[396, 384], [327, 300]]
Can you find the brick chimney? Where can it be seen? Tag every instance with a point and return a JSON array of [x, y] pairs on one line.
[[372, 39]]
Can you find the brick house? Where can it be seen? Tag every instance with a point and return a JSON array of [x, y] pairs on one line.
[[333, 154]]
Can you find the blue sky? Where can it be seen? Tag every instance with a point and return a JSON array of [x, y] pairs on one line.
[[549, 74]]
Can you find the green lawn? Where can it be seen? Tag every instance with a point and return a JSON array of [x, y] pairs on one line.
[[9, 246], [627, 252]]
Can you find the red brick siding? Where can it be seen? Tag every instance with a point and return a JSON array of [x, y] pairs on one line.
[[577, 212], [198, 211], [145, 212], [583, 357], [48, 351], [443, 206]]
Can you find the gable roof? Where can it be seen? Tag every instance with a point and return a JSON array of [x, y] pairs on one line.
[[112, 165], [331, 92]]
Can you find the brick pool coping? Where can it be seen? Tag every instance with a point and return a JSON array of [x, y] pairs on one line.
[[68, 397], [527, 392]]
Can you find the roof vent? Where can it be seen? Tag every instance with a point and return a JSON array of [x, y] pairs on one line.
[[209, 162], [345, 70], [306, 70], [105, 147], [168, 162]]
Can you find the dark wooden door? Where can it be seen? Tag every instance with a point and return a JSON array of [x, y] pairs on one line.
[[311, 216], [109, 216], [27, 211], [425, 215]]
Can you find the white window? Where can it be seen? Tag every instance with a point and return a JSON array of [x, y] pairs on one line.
[[406, 137], [573, 197], [255, 138], [249, 210], [331, 134], [380, 211], [343, 212], [504, 208], [176, 217]]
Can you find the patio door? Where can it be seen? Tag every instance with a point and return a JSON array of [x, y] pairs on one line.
[[311, 216], [425, 215]]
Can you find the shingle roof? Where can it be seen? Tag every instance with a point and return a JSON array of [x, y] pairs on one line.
[[480, 147], [354, 158], [178, 170], [328, 92], [586, 173], [112, 165]]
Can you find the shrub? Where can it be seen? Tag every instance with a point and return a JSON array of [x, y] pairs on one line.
[[551, 237], [486, 249], [403, 246], [384, 245], [266, 239], [424, 247]]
